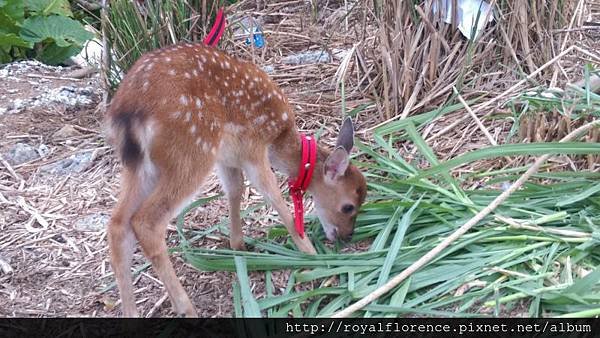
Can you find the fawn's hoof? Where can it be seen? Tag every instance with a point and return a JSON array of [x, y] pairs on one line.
[[239, 246]]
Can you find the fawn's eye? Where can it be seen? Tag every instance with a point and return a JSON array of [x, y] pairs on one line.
[[347, 208]]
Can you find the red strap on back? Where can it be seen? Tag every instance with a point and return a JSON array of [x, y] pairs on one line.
[[217, 29], [300, 184]]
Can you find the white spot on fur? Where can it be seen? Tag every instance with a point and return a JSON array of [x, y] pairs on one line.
[[205, 147], [188, 116], [146, 85], [260, 120], [198, 103], [184, 100], [195, 73], [193, 129], [172, 72], [284, 116], [233, 128], [226, 64], [198, 140], [187, 75], [167, 59], [226, 84]]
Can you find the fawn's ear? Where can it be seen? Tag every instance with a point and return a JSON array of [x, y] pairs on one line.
[[336, 164], [346, 136]]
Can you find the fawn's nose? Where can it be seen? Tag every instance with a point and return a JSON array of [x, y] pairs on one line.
[[346, 235]]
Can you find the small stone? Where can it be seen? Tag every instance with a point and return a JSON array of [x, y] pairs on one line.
[[269, 69], [67, 131], [76, 163], [21, 153], [68, 96], [91, 223], [319, 56], [16, 105]]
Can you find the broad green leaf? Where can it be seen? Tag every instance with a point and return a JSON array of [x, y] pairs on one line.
[[48, 7], [7, 24], [14, 9], [9, 40], [64, 31], [53, 54]]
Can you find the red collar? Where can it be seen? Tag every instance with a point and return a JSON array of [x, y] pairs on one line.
[[217, 30], [301, 183]]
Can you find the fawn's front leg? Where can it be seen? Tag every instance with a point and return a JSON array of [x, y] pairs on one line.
[[260, 174], [232, 182]]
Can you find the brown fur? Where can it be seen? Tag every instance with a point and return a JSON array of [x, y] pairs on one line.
[[183, 110]]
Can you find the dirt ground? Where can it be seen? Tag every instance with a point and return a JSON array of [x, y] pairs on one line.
[[59, 179], [55, 204]]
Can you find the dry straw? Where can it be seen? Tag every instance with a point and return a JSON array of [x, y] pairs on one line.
[[419, 58]]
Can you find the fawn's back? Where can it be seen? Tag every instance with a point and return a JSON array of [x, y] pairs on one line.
[[197, 101]]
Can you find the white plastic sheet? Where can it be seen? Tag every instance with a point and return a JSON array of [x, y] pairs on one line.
[[467, 14]]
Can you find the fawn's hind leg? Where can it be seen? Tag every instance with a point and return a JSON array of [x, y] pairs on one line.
[[232, 182], [172, 190], [121, 239]]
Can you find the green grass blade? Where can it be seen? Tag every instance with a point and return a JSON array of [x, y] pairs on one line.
[[249, 304]]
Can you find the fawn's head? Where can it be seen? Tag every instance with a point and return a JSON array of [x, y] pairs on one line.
[[339, 188]]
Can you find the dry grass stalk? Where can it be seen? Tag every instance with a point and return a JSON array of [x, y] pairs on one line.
[[419, 57]]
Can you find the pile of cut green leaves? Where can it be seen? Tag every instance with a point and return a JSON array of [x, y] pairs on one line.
[[536, 255]]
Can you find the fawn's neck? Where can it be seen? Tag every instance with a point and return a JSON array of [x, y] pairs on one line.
[[286, 153]]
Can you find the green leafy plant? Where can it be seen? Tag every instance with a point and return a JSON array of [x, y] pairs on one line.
[[43, 29]]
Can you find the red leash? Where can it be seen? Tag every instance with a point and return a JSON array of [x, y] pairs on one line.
[[300, 184], [217, 29]]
